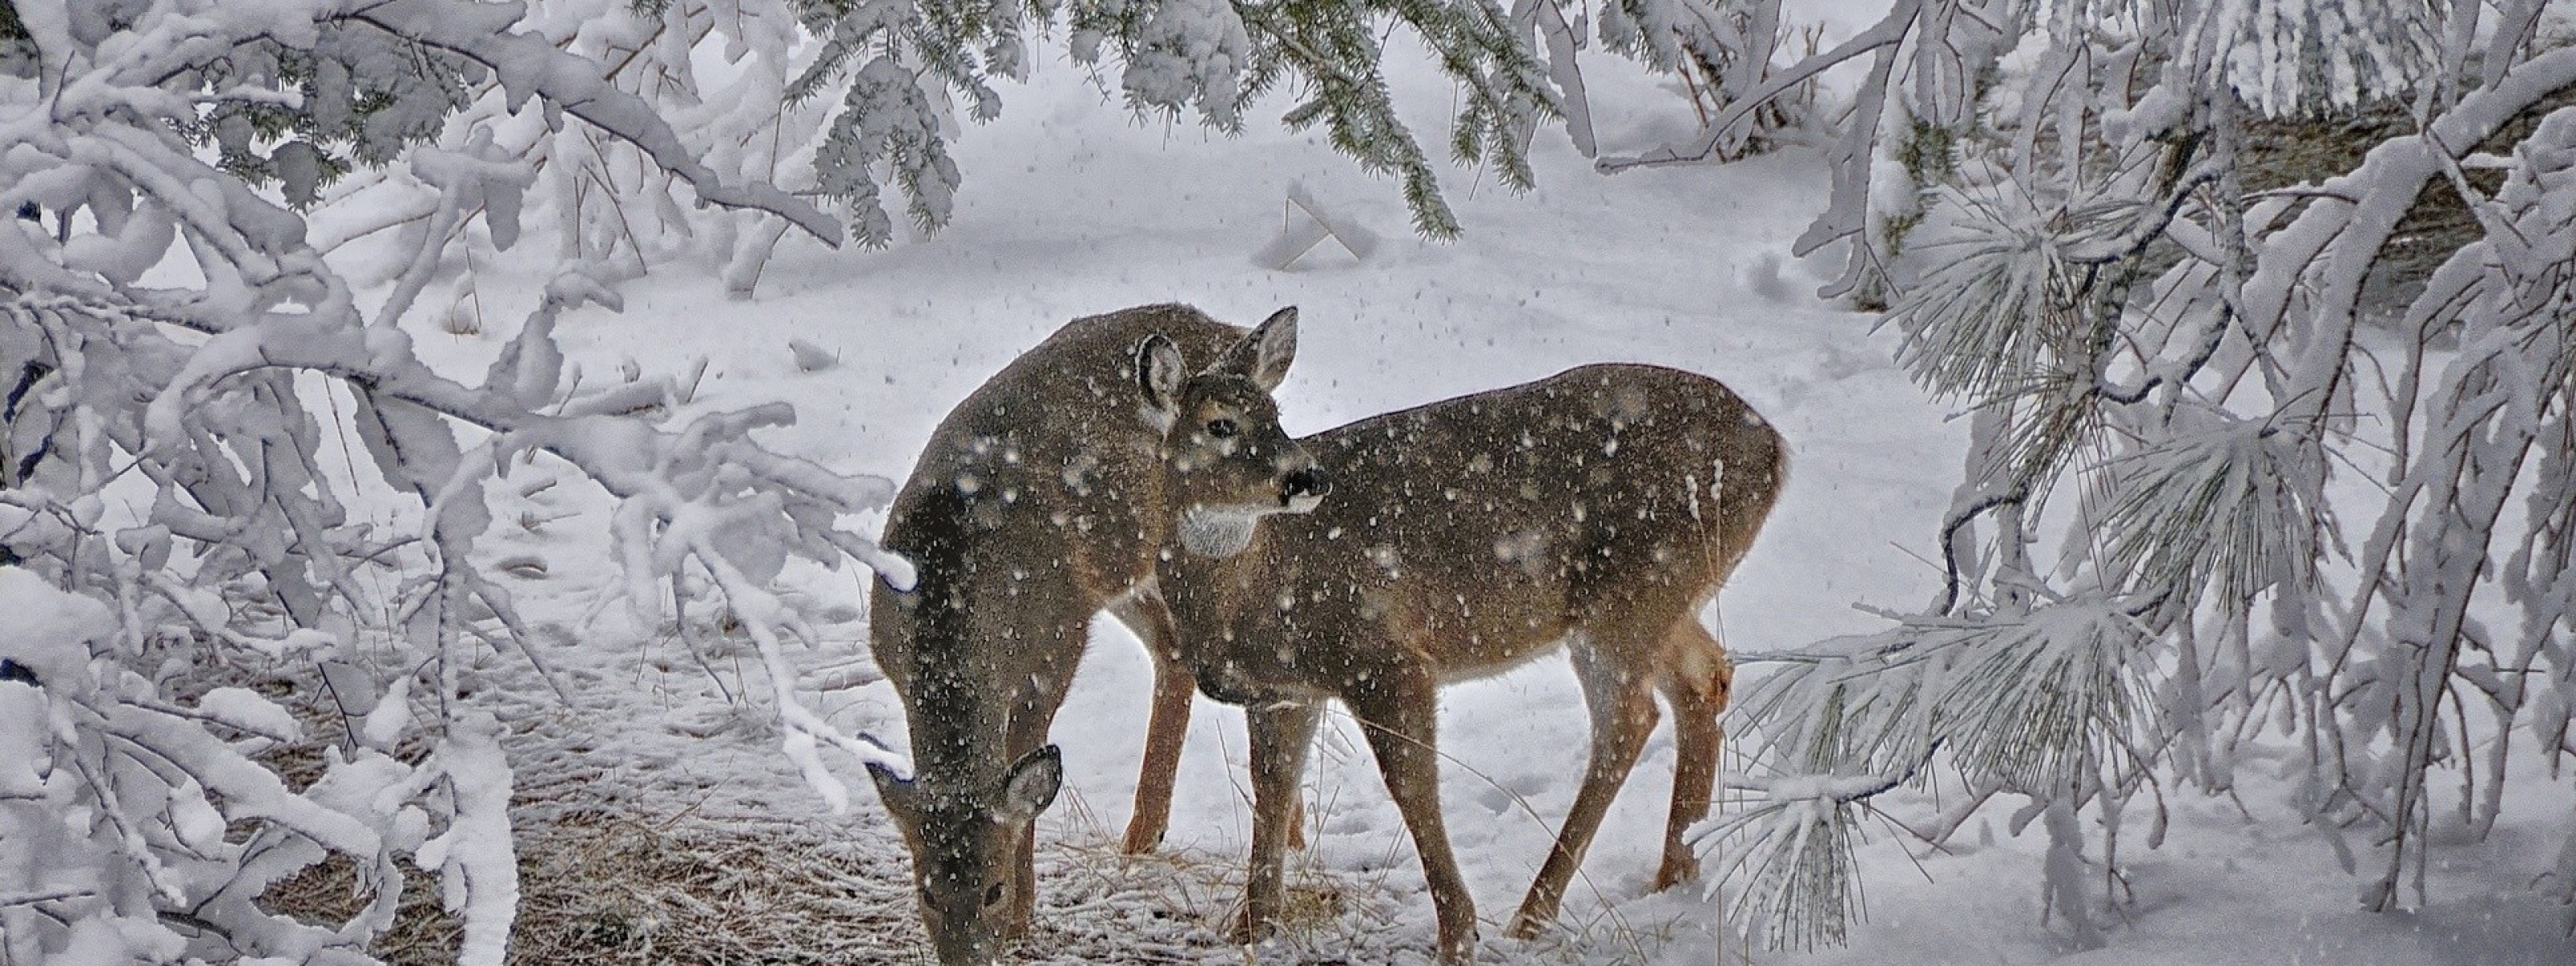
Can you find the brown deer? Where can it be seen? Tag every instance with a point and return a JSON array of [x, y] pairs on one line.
[[1597, 508], [1040, 501]]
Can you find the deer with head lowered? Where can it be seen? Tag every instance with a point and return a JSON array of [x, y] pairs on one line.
[[1041, 500], [1596, 509]]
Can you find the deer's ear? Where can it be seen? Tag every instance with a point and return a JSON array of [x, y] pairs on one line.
[[1158, 377], [900, 795], [1032, 784], [1264, 356]]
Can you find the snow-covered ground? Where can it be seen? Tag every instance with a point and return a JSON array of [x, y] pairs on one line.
[[1069, 210]]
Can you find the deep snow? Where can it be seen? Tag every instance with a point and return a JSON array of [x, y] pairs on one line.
[[1069, 210]]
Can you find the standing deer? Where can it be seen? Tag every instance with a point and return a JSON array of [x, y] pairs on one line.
[[1041, 500], [1596, 508]]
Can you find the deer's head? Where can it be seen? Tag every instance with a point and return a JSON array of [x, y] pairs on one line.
[[1226, 462], [963, 843]]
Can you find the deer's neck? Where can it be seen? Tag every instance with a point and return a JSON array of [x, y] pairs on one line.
[[1217, 533]]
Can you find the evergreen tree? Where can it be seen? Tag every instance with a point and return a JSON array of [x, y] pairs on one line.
[[2167, 367], [1204, 58]]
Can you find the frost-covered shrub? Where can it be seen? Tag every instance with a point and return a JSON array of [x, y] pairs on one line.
[[174, 346], [2066, 241], [1725, 51], [615, 207]]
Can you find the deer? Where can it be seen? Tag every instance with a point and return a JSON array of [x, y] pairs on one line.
[[1595, 510], [1040, 501]]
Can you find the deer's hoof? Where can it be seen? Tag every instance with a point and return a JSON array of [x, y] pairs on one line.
[[1140, 842], [1675, 871], [1248, 928], [1458, 951]]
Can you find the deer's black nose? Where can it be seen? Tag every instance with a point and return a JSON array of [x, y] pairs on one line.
[[1311, 481]]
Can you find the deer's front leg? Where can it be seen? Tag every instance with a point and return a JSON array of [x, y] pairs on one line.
[[1033, 707], [1400, 713], [1620, 691], [1281, 735]]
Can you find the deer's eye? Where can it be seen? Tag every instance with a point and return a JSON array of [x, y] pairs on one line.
[[993, 894], [1221, 428]]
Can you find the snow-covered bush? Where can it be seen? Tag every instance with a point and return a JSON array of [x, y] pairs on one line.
[[1726, 53], [2213, 491], [174, 346], [612, 205]]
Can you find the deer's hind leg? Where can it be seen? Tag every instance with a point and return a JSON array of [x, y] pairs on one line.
[[1165, 732], [1697, 681]]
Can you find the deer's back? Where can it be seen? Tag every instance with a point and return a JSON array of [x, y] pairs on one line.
[[1488, 527]]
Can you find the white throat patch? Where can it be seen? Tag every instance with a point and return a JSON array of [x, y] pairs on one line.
[[1217, 532]]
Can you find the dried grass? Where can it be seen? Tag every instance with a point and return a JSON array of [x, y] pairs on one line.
[[685, 889], [626, 858], [597, 888]]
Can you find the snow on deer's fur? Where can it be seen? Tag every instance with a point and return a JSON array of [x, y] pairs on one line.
[[1037, 504], [1597, 509]]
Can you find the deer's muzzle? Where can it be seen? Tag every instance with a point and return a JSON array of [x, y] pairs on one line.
[[1304, 488]]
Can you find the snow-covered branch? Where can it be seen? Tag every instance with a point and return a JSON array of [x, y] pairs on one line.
[[167, 504], [2075, 243]]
